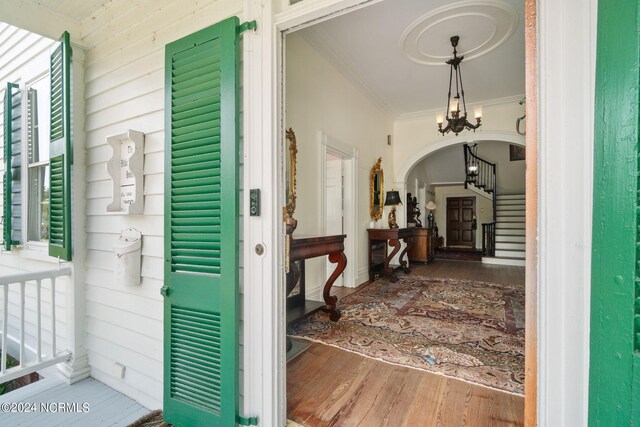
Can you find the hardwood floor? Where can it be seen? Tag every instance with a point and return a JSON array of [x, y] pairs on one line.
[[327, 386]]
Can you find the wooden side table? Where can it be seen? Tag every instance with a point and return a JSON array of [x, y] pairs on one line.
[[378, 238], [311, 247], [424, 245]]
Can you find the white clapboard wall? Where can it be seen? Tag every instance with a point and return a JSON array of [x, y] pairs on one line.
[[124, 69]]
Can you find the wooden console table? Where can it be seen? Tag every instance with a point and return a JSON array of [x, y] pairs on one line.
[[311, 247], [379, 258], [424, 245]]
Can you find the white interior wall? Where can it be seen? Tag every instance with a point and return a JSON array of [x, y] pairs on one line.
[[319, 98], [510, 175], [415, 134], [447, 166], [125, 90]]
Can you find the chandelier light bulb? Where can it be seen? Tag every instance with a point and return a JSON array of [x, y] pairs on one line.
[[453, 105]]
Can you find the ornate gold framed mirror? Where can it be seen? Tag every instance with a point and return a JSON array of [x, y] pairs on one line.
[[290, 178], [376, 185]]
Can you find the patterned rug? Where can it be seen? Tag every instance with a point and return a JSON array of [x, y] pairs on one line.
[[468, 330], [458, 255], [154, 419]]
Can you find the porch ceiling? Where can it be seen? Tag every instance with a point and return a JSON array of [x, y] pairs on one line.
[[394, 50], [50, 18], [77, 10]]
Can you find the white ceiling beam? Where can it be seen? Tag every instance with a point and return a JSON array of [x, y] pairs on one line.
[[37, 19]]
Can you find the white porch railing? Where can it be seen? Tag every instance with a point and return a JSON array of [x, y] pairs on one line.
[[41, 361]]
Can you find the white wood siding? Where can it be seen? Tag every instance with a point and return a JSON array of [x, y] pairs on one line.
[[124, 84], [24, 56]]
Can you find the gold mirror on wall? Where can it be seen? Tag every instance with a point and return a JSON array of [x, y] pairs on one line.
[[290, 178], [376, 185]]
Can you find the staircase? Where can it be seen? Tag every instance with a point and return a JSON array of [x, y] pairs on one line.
[[503, 239], [480, 174], [509, 231]]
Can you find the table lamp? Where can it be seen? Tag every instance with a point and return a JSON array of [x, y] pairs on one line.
[[430, 219], [393, 199]]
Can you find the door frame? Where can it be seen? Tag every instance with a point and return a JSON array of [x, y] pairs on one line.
[[349, 157], [557, 390]]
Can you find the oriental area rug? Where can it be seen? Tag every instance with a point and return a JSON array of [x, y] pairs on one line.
[[469, 330], [154, 419], [458, 255]]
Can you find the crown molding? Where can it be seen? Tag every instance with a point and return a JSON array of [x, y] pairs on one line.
[[321, 42], [417, 115]]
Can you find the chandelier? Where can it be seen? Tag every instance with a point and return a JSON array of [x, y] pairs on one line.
[[472, 162], [456, 123]]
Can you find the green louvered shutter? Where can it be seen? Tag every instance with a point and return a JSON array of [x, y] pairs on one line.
[[61, 154], [12, 166], [201, 227]]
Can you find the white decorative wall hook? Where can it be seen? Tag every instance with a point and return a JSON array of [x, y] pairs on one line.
[[126, 168]]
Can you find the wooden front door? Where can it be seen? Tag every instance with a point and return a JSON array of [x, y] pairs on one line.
[[461, 212]]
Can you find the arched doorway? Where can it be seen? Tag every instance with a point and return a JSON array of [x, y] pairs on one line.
[[509, 137], [468, 210]]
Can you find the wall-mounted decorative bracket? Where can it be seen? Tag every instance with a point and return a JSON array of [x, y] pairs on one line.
[[125, 169]]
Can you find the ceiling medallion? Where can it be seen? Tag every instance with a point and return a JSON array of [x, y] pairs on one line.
[[484, 25]]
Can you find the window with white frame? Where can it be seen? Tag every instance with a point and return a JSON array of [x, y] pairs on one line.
[[37, 159], [38, 156], [27, 210]]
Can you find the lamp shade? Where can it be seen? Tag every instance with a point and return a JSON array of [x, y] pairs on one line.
[[431, 206], [393, 198]]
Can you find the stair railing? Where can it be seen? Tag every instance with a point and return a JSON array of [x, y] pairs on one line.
[[489, 239], [482, 174]]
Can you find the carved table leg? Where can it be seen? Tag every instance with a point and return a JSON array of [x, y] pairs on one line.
[[404, 263], [292, 276], [331, 300], [388, 271]]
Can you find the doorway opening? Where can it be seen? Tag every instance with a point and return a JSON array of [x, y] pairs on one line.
[[308, 54], [338, 204]]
